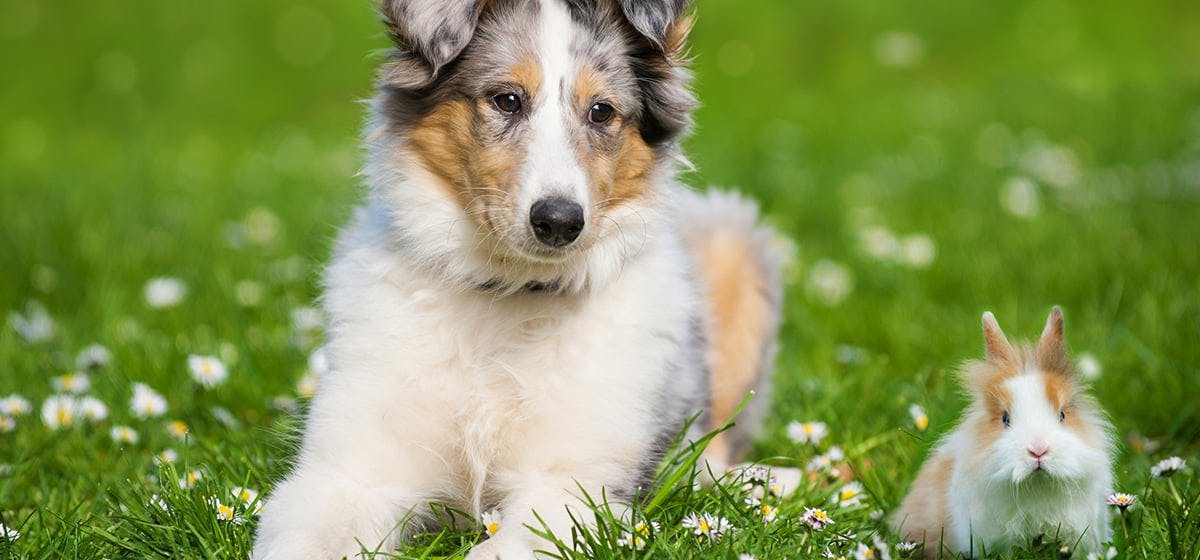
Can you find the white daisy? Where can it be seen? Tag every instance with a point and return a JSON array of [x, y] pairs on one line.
[[1106, 555], [744, 556], [160, 503], [768, 511], [830, 283], [8, 534], [72, 383], [1121, 501], [919, 418], [918, 250], [491, 521], [226, 512], [708, 526], [147, 402], [93, 409], [850, 495], [807, 432], [816, 518], [14, 405], [249, 498], [165, 456], [35, 325], [1089, 366], [59, 411], [637, 538], [906, 546], [7, 424], [1167, 468], [225, 417], [178, 429], [123, 434], [190, 479], [92, 357], [208, 371], [163, 292]]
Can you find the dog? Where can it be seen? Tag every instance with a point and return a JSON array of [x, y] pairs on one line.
[[530, 305]]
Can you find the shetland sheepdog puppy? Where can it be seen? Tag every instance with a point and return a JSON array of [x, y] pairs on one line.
[[529, 306]]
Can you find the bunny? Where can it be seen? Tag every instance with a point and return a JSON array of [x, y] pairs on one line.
[[1031, 457]]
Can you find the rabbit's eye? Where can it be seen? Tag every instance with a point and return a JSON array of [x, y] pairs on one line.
[[1004, 418], [1062, 416]]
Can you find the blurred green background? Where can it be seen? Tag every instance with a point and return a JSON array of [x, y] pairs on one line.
[[930, 161]]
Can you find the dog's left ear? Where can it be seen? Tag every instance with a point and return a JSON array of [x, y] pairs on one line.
[[436, 31], [661, 21]]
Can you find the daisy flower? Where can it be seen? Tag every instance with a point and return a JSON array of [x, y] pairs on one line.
[[72, 383], [208, 371], [35, 325], [491, 521], [1089, 366], [225, 417], [226, 512], [7, 424], [906, 546], [850, 495], [1121, 501], [163, 292], [1167, 468], [93, 357], [807, 432], [190, 479], [93, 409], [825, 461], [165, 456], [757, 474], [920, 420], [768, 511], [14, 405], [8, 534], [707, 525], [178, 429], [248, 497], [1106, 555], [744, 556], [147, 402], [123, 434], [816, 518], [157, 501], [631, 540], [59, 411]]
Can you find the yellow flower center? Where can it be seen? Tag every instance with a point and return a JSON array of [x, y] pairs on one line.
[[492, 528], [848, 493], [922, 422], [703, 526], [642, 529], [807, 429], [64, 417]]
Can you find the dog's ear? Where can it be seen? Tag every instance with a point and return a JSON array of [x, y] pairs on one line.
[[661, 21], [428, 35]]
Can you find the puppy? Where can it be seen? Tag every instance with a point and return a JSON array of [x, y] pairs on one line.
[[529, 303]]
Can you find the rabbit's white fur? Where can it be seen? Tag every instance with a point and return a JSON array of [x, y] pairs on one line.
[[984, 489]]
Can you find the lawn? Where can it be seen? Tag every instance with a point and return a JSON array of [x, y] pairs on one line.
[[172, 175]]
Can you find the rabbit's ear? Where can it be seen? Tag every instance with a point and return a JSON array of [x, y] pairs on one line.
[[432, 32], [1051, 350], [995, 344]]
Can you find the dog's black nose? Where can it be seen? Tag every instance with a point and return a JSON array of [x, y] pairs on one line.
[[556, 221]]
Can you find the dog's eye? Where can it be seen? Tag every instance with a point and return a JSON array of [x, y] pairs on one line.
[[1005, 419], [1062, 416], [507, 103], [600, 113]]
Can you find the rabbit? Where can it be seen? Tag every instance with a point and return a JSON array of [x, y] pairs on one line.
[[1032, 457]]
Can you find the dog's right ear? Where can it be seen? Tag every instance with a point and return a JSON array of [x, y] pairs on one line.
[[428, 34]]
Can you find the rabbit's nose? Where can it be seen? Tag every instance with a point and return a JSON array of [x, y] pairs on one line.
[[1038, 449]]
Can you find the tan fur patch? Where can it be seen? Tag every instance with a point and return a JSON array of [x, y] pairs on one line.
[[448, 144], [924, 515], [616, 177], [740, 310]]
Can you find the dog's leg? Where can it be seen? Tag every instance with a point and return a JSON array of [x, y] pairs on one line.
[[554, 500], [346, 495]]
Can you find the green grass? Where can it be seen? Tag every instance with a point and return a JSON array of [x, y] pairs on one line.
[[140, 140]]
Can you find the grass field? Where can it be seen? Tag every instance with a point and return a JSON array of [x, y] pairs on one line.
[[930, 163]]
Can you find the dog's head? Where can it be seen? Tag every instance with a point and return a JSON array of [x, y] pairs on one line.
[[515, 136]]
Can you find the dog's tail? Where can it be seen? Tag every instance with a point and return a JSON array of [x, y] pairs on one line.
[[740, 263]]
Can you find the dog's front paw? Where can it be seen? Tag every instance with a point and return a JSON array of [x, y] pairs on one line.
[[500, 547]]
